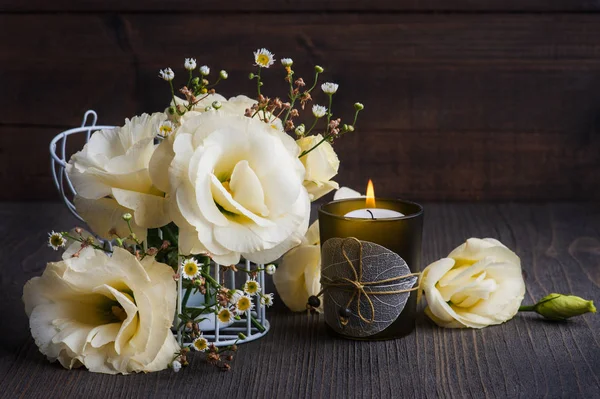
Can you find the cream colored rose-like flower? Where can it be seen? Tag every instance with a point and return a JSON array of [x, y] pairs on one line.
[[477, 285], [321, 165], [111, 314], [299, 273], [110, 176], [235, 187]]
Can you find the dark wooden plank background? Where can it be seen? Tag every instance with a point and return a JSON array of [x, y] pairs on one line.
[[466, 100], [559, 245]]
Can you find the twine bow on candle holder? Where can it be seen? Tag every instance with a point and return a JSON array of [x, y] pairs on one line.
[[358, 287]]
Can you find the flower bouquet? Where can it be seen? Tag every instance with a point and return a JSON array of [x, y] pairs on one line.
[[183, 201]]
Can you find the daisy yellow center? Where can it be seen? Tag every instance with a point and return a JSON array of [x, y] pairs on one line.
[[166, 130], [190, 269], [251, 287], [262, 59], [224, 315], [201, 344], [244, 304], [56, 240]]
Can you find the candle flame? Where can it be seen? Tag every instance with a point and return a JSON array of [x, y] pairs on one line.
[[370, 195]]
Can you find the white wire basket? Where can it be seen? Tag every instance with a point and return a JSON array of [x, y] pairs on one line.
[[253, 324]]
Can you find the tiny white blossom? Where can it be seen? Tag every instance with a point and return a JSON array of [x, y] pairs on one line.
[[270, 269], [190, 64], [329, 88], [200, 344], [176, 365], [190, 268], [252, 287], [235, 297], [167, 74], [319, 111], [286, 62], [56, 240], [244, 304], [266, 300], [263, 58], [204, 70], [166, 128]]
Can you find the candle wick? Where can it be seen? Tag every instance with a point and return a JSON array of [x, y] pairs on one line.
[[372, 216]]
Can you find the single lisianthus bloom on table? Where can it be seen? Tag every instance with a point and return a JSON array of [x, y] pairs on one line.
[[477, 285], [321, 165], [111, 314], [110, 176], [299, 273], [235, 187]]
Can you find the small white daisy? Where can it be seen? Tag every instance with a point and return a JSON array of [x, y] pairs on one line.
[[176, 365], [200, 344], [190, 64], [225, 315], [329, 88], [270, 269], [167, 74], [190, 268], [56, 240], [166, 128], [252, 287], [319, 111], [263, 58], [244, 304], [266, 300], [204, 70], [237, 294], [287, 62]]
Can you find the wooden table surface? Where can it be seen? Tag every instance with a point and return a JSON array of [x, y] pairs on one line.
[[559, 245]]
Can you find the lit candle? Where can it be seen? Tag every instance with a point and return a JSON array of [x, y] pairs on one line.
[[371, 211]]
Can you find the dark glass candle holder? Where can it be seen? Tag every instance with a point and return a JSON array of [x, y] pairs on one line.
[[401, 235]]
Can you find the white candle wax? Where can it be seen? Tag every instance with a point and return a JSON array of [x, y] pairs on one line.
[[373, 213]]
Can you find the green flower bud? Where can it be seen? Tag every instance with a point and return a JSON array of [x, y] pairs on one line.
[[300, 130], [561, 307], [208, 108], [217, 104], [319, 69], [127, 217], [241, 336], [196, 81], [251, 76], [223, 74], [359, 106], [171, 110]]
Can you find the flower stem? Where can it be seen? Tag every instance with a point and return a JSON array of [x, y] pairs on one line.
[[257, 324], [527, 308]]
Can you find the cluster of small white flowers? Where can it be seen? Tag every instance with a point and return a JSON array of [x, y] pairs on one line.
[[167, 74], [287, 62], [319, 111], [190, 64], [204, 70], [329, 88], [263, 58]]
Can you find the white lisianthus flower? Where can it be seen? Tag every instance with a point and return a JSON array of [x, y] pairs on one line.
[[235, 187], [321, 166], [477, 285], [299, 273], [111, 177], [111, 314], [329, 88]]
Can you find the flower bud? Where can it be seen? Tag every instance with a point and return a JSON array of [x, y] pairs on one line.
[[127, 217], [204, 70], [196, 81], [271, 269], [561, 307], [300, 130], [359, 106], [171, 110], [223, 74], [241, 336], [251, 76], [319, 69], [216, 104]]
